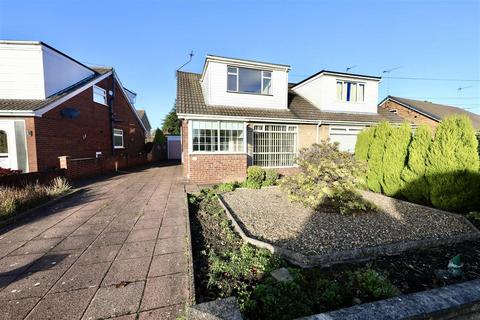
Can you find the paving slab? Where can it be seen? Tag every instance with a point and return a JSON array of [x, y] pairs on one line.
[[167, 313], [142, 235], [75, 242], [82, 276], [115, 301], [16, 309], [168, 264], [68, 305], [165, 291], [11, 265], [99, 254], [127, 271], [136, 250], [106, 239], [37, 246], [32, 284], [170, 245]]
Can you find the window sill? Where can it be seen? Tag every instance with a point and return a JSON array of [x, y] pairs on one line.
[[118, 148], [103, 104], [193, 153], [251, 93]]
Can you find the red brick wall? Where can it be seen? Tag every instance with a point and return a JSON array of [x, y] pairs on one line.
[[81, 137], [410, 115], [211, 168]]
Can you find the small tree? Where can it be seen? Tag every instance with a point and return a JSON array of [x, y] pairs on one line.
[[364, 139], [171, 123], [328, 176], [375, 156], [453, 164], [159, 137], [396, 148], [415, 186]]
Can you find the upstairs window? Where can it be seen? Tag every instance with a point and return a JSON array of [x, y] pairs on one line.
[[118, 138], [350, 91], [99, 95], [247, 80]]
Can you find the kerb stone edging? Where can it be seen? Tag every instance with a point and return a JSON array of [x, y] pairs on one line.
[[360, 254], [460, 300], [191, 277]]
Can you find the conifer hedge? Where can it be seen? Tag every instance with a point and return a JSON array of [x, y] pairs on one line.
[[396, 148], [453, 166], [416, 187], [375, 156], [364, 139]]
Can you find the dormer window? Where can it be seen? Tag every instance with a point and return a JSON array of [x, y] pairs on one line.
[[348, 91], [246, 80]]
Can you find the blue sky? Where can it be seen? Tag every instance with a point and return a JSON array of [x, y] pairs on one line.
[[146, 41]]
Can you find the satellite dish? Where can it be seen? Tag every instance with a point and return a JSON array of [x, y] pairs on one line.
[[70, 113]]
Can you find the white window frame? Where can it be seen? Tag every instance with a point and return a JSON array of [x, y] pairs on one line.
[[118, 133], [96, 93], [190, 138], [5, 154], [260, 127], [352, 130], [343, 93], [262, 79]]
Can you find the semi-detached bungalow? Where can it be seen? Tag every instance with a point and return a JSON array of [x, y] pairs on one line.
[[51, 105], [239, 113]]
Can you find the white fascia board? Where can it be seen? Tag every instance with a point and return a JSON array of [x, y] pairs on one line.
[[122, 89], [17, 113], [48, 107], [234, 118]]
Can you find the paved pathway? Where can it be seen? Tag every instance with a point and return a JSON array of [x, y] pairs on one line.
[[117, 250]]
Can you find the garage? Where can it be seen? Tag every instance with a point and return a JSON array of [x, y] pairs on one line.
[[345, 136]]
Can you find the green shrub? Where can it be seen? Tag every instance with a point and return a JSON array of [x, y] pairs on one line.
[[328, 176], [15, 200], [226, 186], [415, 186], [255, 177], [279, 300], [331, 294], [58, 186], [372, 285], [396, 148], [271, 177], [375, 156], [364, 139], [452, 166]]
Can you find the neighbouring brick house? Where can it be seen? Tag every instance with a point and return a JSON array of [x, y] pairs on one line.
[[142, 114], [424, 112], [52, 106], [239, 113]]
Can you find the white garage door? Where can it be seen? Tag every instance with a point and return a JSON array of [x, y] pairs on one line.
[[345, 136]]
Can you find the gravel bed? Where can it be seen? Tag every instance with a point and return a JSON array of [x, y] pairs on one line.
[[266, 214]]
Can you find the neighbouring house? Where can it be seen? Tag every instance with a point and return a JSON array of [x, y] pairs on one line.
[[53, 106], [142, 114], [239, 113], [424, 112]]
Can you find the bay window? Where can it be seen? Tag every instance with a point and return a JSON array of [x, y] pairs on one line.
[[350, 91], [274, 145], [246, 80], [217, 136]]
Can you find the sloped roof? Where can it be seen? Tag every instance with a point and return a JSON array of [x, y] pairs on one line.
[[142, 114], [190, 101], [36, 104], [436, 111]]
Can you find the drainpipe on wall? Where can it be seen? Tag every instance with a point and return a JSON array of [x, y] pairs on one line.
[[318, 127], [112, 98]]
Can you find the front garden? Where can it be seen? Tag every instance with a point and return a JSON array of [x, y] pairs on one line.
[[326, 209]]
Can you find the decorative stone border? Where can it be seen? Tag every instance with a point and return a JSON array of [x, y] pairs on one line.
[[460, 300], [24, 214], [188, 239], [355, 255]]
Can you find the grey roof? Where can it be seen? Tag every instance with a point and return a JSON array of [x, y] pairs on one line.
[[190, 101], [436, 111], [142, 114], [36, 104]]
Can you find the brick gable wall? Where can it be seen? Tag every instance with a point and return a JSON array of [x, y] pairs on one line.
[[409, 115], [82, 137]]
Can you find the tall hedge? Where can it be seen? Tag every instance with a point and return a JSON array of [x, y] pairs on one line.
[[375, 156], [453, 166], [364, 139], [415, 187], [396, 149]]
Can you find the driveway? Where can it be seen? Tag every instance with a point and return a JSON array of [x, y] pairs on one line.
[[117, 250]]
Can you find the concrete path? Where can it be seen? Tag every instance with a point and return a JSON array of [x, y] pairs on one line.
[[119, 251]]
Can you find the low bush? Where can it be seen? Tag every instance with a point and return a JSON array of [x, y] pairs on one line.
[[372, 285], [226, 186], [271, 177], [7, 172], [328, 177], [255, 177]]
